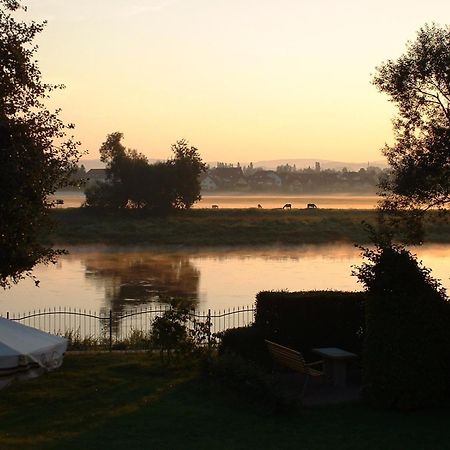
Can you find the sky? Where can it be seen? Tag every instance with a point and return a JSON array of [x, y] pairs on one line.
[[241, 80]]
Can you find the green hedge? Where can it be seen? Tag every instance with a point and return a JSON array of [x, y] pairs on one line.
[[247, 342], [304, 320]]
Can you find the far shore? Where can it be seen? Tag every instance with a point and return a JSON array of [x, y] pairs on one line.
[[219, 227]]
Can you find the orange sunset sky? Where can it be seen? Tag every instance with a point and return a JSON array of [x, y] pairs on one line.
[[242, 80]]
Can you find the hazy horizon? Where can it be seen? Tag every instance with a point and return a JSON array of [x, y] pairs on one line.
[[90, 163]]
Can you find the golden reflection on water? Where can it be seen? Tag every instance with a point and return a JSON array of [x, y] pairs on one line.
[[297, 201], [133, 279], [338, 201], [121, 279]]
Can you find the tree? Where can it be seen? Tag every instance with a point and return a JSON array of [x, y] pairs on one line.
[[127, 171], [36, 156], [133, 182], [418, 83], [188, 166], [407, 344]]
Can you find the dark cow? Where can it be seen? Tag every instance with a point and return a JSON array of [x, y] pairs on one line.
[[311, 206], [259, 206], [214, 206], [287, 206]]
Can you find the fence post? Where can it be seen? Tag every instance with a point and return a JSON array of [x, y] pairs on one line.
[[209, 330], [7, 315], [110, 330]]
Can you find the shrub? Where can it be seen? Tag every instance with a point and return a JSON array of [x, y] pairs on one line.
[[78, 342], [406, 352], [137, 339], [247, 342], [173, 331], [169, 331], [304, 320], [253, 381]]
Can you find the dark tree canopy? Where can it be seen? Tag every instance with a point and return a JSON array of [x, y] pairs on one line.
[[407, 311], [188, 166], [407, 344], [134, 182], [36, 156], [418, 83]]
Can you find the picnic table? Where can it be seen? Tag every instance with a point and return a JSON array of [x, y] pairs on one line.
[[335, 362]]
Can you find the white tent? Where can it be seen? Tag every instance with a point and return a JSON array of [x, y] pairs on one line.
[[26, 352]]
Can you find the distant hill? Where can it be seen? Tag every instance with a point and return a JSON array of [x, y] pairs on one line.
[[303, 163], [300, 163]]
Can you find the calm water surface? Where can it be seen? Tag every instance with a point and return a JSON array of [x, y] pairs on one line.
[[75, 199], [121, 279]]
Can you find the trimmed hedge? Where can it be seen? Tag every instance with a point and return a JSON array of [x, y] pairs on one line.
[[305, 320], [302, 321]]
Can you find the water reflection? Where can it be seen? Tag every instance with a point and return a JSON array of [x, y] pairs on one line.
[[120, 279], [136, 279]]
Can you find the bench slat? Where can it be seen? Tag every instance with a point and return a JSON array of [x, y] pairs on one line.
[[291, 358]]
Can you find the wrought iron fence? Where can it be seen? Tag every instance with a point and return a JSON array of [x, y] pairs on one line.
[[131, 328]]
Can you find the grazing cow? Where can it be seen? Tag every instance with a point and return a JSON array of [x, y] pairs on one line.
[[259, 206], [214, 206], [287, 206], [311, 206]]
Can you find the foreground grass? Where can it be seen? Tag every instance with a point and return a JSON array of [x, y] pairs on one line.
[[222, 227], [131, 401]]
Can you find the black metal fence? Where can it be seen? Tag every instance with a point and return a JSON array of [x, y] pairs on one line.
[[108, 328]]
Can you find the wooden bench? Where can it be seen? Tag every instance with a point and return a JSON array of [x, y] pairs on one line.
[[292, 359]]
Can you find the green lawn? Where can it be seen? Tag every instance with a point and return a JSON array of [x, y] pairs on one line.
[[131, 401]]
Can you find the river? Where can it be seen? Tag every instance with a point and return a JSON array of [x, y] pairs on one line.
[[220, 278], [337, 201]]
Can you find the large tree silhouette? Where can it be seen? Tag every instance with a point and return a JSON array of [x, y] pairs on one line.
[[36, 156], [418, 83]]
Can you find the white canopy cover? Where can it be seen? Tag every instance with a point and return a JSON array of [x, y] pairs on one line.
[[26, 352]]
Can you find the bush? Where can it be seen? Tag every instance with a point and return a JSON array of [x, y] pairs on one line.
[[304, 320], [406, 356], [247, 342], [170, 333], [105, 195], [253, 381]]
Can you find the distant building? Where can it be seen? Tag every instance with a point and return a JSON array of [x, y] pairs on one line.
[[228, 178], [94, 175], [317, 166], [292, 182], [265, 180], [207, 183]]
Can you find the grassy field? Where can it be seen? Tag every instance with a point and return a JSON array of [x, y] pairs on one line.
[[132, 401], [222, 227]]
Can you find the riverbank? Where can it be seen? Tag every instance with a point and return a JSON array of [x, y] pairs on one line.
[[77, 226]]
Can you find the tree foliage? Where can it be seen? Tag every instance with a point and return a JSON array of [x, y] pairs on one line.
[[407, 345], [418, 83], [187, 165], [134, 182], [36, 156]]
